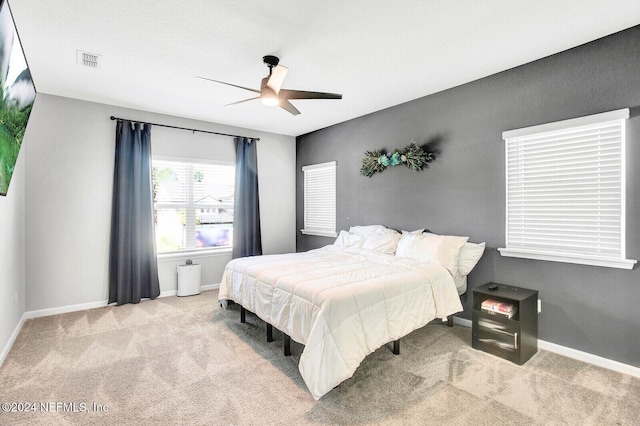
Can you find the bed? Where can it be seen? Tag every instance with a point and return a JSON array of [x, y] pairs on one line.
[[342, 301]]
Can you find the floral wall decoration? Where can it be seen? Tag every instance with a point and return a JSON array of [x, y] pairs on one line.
[[413, 156]]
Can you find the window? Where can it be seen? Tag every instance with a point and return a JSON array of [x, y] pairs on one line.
[[320, 199], [565, 185], [193, 205]]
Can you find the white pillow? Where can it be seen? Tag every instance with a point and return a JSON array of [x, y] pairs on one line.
[[416, 232], [371, 229], [470, 254], [381, 243], [346, 239], [412, 246], [387, 231], [365, 230], [441, 249]]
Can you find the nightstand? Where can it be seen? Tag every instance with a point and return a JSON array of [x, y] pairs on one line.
[[513, 338]]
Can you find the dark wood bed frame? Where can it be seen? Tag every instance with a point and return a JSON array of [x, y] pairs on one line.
[[287, 340]]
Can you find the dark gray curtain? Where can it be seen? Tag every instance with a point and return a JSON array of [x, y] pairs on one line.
[[247, 240], [133, 268]]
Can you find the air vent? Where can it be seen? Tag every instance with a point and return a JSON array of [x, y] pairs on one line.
[[87, 59]]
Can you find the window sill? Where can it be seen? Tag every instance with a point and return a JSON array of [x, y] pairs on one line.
[[566, 258], [193, 254], [319, 233]]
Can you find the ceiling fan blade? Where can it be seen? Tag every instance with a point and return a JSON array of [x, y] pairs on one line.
[[244, 100], [276, 78], [229, 84], [286, 105], [301, 94]]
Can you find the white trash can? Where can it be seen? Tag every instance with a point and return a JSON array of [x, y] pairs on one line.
[[189, 279]]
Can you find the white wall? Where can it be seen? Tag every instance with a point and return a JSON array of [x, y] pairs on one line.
[[68, 199], [276, 168], [12, 255]]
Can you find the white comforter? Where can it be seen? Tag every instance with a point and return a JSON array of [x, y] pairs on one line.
[[341, 303]]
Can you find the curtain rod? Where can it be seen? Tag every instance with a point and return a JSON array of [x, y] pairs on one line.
[[183, 128]]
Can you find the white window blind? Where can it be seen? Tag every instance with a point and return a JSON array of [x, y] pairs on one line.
[[320, 199], [565, 191], [193, 205]]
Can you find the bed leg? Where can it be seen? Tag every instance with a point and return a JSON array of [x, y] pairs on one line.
[[450, 320], [396, 347], [269, 333], [287, 345], [243, 314]]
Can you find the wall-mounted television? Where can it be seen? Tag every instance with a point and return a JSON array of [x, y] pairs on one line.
[[17, 96]]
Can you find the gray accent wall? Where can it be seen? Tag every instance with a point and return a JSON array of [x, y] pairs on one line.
[[587, 308]]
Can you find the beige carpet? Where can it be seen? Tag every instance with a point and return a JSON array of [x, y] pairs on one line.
[[187, 361]]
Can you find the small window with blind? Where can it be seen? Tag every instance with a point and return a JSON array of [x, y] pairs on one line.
[[320, 199], [565, 191], [193, 205]]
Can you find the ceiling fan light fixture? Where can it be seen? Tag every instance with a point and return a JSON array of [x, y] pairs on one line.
[[270, 100], [271, 92]]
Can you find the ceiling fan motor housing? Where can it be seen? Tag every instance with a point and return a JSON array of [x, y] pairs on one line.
[[271, 60]]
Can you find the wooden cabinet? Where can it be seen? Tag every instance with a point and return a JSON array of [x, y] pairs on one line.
[[514, 339]]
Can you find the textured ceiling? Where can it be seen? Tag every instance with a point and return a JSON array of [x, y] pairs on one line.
[[376, 53]]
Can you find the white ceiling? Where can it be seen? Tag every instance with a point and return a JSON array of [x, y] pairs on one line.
[[377, 53]]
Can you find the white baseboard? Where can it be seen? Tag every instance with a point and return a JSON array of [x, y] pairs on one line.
[[599, 361], [461, 321], [64, 309], [590, 358], [207, 287], [81, 307], [12, 339]]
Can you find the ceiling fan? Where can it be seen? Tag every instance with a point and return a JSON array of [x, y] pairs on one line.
[[271, 92]]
